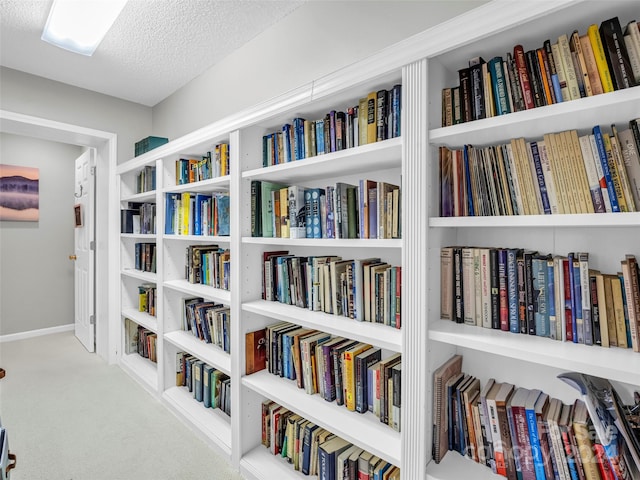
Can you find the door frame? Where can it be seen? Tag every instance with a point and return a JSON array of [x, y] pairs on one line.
[[106, 208]]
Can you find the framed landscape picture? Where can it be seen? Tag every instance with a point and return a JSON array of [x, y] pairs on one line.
[[19, 193]]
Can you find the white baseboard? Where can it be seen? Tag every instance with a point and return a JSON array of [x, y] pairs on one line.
[[36, 333]]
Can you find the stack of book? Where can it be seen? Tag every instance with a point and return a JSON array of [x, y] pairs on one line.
[[376, 117], [313, 450], [190, 213], [574, 66], [146, 179], [366, 290], [524, 433], [190, 170], [138, 218], [560, 297], [562, 173], [369, 209], [209, 386], [145, 257], [208, 265], [140, 340], [349, 372], [208, 321], [147, 299]]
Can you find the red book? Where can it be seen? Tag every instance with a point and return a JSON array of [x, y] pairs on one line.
[[523, 75]]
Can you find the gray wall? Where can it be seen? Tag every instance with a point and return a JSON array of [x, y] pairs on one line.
[[315, 40], [36, 275]]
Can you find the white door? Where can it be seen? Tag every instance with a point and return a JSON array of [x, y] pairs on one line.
[[84, 249]]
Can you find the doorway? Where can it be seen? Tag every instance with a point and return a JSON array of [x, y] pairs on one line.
[[106, 213]]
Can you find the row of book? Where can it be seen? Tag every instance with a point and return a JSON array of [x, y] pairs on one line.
[[138, 218], [600, 60], [525, 433], [211, 165], [564, 172], [209, 385], [146, 179], [555, 296], [366, 290], [208, 321], [140, 340], [147, 299], [313, 450], [191, 213], [208, 265], [369, 209], [145, 257], [375, 118], [349, 372]]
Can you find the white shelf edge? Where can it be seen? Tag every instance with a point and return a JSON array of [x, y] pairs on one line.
[[205, 291], [207, 352], [142, 369], [214, 424], [141, 318], [325, 242], [382, 336], [627, 219], [358, 157], [140, 275], [197, 238], [365, 430], [139, 197], [260, 464], [454, 465], [203, 185], [140, 236], [618, 364]]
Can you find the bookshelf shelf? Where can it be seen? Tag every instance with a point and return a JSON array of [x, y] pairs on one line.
[[149, 196], [581, 114], [259, 463], [618, 364], [140, 275], [205, 291], [214, 424], [206, 352], [589, 220], [139, 236], [453, 465], [197, 238], [141, 318], [142, 369], [375, 156], [220, 184], [365, 430], [382, 336], [325, 242]]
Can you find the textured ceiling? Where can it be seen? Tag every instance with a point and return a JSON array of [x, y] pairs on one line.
[[154, 48]]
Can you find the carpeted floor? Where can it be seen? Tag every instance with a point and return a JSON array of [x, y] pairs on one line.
[[70, 416]]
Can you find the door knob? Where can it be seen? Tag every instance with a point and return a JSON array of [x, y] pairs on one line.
[[72, 257]]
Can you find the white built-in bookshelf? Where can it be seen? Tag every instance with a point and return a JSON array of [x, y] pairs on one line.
[[424, 65]]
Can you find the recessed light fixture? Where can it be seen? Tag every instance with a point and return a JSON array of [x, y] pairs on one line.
[[80, 25]]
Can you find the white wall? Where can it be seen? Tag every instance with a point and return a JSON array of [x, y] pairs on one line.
[[315, 40], [36, 275]]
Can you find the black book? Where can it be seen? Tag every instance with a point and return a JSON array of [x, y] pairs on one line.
[[477, 87], [466, 104], [616, 52], [535, 80], [382, 108], [494, 278], [529, 293], [458, 287]]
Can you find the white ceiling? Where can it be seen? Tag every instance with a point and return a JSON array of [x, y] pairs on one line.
[[154, 48]]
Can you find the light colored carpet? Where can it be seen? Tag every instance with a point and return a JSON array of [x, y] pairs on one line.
[[70, 416]]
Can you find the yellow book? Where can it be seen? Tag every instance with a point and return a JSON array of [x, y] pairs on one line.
[[284, 212], [349, 374], [224, 159], [580, 172], [618, 310], [362, 121], [186, 213], [372, 131], [601, 59]]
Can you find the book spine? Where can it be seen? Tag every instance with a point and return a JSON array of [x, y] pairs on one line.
[[600, 58], [523, 76], [499, 86], [512, 291], [604, 162]]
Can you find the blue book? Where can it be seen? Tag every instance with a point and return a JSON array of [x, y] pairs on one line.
[[602, 154], [286, 143], [540, 177], [315, 219], [330, 199], [572, 300], [468, 176], [306, 447], [307, 213], [171, 205], [298, 138], [320, 146], [499, 85], [551, 299], [222, 209], [533, 409], [207, 370]]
